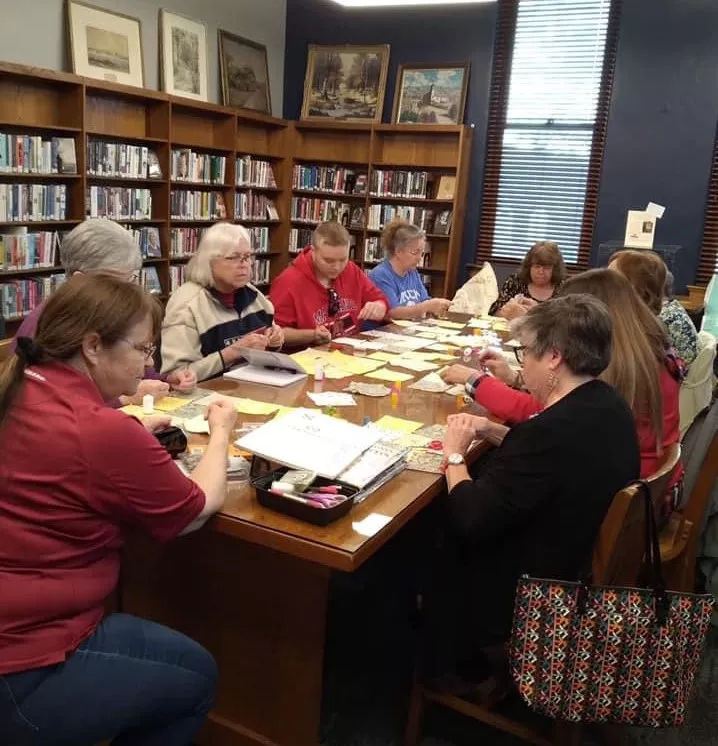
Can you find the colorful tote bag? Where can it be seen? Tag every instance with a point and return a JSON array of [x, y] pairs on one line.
[[609, 655]]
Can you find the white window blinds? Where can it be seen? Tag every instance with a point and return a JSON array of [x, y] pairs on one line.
[[551, 112]]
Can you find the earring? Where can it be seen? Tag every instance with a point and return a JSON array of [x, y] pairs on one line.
[[551, 383]]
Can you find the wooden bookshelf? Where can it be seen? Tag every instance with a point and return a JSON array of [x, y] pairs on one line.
[[53, 104]]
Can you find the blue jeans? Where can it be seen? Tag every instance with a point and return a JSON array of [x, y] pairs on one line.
[[133, 681]]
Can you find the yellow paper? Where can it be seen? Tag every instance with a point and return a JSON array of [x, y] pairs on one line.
[[389, 375], [387, 357], [449, 324], [170, 403], [250, 406], [402, 322], [427, 356], [355, 365], [428, 335], [134, 411], [387, 422]]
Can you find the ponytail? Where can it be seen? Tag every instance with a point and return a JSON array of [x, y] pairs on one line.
[[12, 373]]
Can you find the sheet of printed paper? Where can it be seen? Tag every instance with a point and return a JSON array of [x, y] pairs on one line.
[[134, 410], [387, 422], [355, 365], [428, 356], [371, 464], [366, 345], [243, 406], [439, 347], [403, 322], [479, 324], [387, 357], [389, 375], [170, 403], [349, 341], [332, 399], [433, 432], [418, 366], [448, 324], [432, 382], [427, 461], [412, 440]]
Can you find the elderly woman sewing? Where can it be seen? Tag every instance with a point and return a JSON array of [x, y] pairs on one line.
[[538, 505]]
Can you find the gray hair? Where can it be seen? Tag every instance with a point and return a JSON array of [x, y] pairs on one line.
[[398, 234], [578, 326], [218, 241], [96, 245]]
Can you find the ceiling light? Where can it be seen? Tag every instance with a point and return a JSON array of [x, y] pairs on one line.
[[390, 3]]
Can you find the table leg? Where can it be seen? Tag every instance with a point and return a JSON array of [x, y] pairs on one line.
[[261, 613]]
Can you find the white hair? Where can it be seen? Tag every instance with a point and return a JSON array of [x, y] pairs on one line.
[[218, 241], [98, 244]]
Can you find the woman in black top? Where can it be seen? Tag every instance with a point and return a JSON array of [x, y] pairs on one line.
[[538, 505]]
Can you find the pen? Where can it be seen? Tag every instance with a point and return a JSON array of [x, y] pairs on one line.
[[306, 501]]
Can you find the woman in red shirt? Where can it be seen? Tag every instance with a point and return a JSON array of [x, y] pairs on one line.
[[75, 476], [641, 369]]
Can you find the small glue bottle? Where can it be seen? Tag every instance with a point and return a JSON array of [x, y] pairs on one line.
[[148, 404], [318, 377], [395, 395], [468, 352]]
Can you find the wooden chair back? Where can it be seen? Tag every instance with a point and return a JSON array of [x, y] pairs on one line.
[[5, 350], [658, 481]]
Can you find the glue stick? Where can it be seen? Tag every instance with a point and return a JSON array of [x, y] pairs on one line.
[[318, 372], [148, 404]]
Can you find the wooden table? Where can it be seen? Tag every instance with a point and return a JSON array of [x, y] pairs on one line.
[[252, 585]]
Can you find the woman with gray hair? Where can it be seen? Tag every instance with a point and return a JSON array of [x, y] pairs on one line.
[[397, 276], [538, 505], [217, 312]]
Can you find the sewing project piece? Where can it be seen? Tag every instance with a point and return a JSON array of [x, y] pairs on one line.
[[134, 411], [389, 375], [169, 403], [433, 383], [332, 399], [368, 389], [447, 324], [387, 422], [418, 366], [196, 425], [422, 460]]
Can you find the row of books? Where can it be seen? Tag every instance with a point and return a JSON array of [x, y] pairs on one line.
[[253, 206], [148, 241], [400, 183], [118, 203], [312, 210], [373, 252], [150, 280], [188, 165], [196, 205], [328, 179], [427, 220], [260, 272], [299, 238], [28, 250], [122, 160], [35, 154], [26, 202], [255, 172], [19, 297], [178, 273], [184, 241]]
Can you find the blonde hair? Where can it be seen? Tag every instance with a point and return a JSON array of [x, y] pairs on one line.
[[331, 233], [547, 253], [638, 345], [218, 241], [399, 233]]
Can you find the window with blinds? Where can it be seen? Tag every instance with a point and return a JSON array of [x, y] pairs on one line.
[[708, 265], [549, 106]]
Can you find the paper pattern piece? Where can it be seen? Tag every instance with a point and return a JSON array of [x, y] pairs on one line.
[[371, 464], [412, 440], [196, 425], [387, 357], [348, 341], [387, 422], [418, 366], [368, 389], [403, 323], [427, 461], [479, 324], [389, 375], [169, 403], [134, 411], [372, 524], [433, 432], [439, 347], [243, 406], [448, 324], [433, 383], [332, 399]]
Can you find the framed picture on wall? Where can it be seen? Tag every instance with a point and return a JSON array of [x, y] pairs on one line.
[[183, 56], [244, 73], [431, 94], [345, 83], [104, 44]]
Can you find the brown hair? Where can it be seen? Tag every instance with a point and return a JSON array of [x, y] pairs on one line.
[[547, 253], [646, 271], [85, 304], [638, 345], [399, 233], [332, 233]]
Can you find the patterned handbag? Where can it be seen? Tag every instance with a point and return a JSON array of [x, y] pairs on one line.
[[609, 655]]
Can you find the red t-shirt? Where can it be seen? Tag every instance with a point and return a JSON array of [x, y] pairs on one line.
[[74, 476]]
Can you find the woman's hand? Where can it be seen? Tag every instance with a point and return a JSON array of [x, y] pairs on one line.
[[437, 306], [322, 335], [512, 309], [156, 388], [253, 340], [479, 425], [275, 336], [157, 422], [182, 379], [221, 415], [459, 434], [494, 361], [374, 310], [457, 374]]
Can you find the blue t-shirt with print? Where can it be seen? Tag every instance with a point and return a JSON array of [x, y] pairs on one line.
[[401, 291]]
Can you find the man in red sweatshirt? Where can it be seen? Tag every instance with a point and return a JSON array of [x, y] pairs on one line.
[[323, 295]]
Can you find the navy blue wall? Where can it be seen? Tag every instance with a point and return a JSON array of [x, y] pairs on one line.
[[663, 113]]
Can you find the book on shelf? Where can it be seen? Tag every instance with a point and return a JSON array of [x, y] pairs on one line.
[[150, 279], [255, 172], [21, 250], [147, 239], [357, 219], [381, 215], [426, 281], [442, 224], [393, 183], [299, 238], [373, 251], [191, 166], [177, 276], [184, 241], [32, 202], [197, 205], [259, 239], [426, 257], [35, 154], [260, 272], [121, 160], [119, 203], [18, 298], [314, 210], [250, 205], [446, 187], [336, 179]]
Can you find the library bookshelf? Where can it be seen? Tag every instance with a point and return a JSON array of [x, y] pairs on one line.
[[211, 163]]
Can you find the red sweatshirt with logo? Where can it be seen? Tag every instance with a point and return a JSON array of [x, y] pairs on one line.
[[302, 302]]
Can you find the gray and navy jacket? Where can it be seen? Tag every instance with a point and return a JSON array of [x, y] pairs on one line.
[[198, 325]]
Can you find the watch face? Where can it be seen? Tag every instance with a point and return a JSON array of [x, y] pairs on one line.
[[456, 459]]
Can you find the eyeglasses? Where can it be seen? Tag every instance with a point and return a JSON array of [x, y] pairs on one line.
[[416, 252], [334, 304], [239, 258], [147, 350], [520, 353]]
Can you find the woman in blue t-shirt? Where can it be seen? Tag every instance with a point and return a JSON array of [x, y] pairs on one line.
[[397, 276]]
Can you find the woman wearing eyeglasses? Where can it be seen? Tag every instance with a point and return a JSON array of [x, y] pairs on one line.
[[218, 311], [76, 477], [397, 276]]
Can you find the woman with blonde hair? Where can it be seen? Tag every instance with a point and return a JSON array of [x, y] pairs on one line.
[[540, 276], [217, 312], [397, 276], [648, 274], [641, 369]]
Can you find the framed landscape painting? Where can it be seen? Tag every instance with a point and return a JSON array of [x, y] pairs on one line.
[[244, 73], [345, 83], [105, 45], [430, 94], [183, 54]]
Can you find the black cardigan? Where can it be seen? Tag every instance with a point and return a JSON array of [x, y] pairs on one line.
[[538, 506]]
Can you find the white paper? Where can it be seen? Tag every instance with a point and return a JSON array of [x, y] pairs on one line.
[[640, 230], [332, 399], [656, 210], [349, 341], [479, 324], [418, 366], [196, 424], [372, 524], [371, 464]]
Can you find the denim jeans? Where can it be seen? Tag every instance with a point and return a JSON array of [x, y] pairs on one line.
[[133, 681]]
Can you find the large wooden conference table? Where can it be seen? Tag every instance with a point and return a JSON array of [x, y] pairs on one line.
[[252, 585]]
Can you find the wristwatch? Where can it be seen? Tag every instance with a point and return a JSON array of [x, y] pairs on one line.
[[473, 383], [455, 459]]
